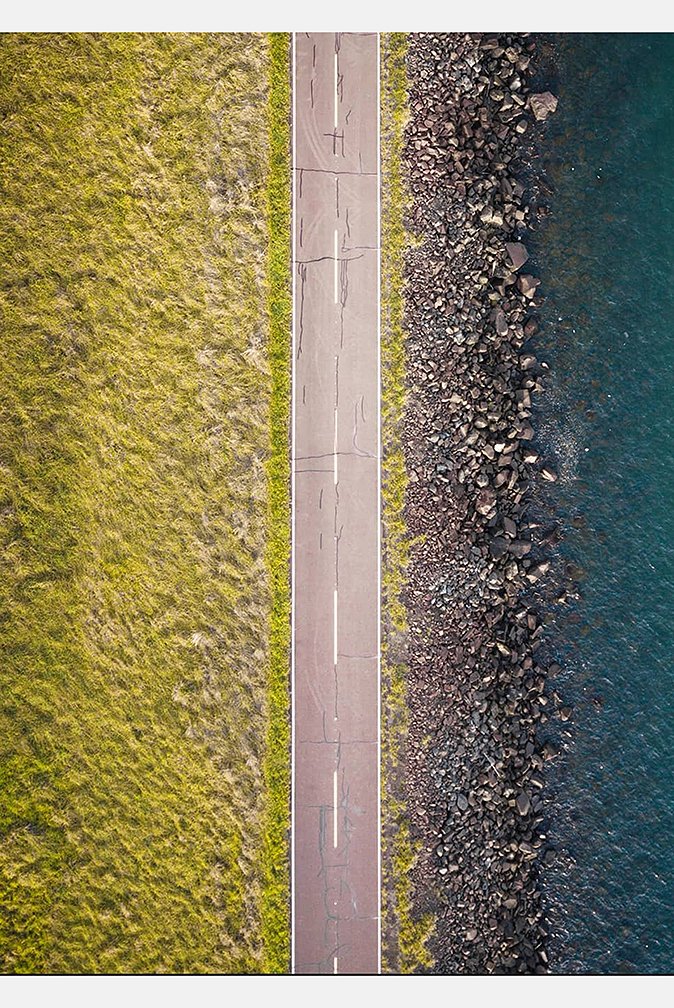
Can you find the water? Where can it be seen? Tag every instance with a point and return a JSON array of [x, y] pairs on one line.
[[607, 262]]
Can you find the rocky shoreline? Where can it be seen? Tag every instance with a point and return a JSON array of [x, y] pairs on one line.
[[477, 687]]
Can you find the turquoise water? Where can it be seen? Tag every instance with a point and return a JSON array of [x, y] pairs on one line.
[[607, 261]]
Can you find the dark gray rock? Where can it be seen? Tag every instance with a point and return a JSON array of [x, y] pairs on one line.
[[501, 323], [518, 254], [519, 548], [523, 803]]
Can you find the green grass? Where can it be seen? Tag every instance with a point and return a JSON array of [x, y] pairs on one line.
[[275, 896], [144, 503], [404, 949]]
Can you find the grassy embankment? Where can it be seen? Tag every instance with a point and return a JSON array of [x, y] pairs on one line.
[[144, 503], [404, 950]]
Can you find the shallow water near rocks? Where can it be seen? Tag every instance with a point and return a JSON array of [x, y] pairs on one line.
[[606, 257]]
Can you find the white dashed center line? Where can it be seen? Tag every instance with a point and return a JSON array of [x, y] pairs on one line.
[[334, 627], [336, 267], [336, 93], [334, 965], [334, 805]]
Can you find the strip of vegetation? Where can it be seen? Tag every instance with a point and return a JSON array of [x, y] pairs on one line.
[[144, 503], [404, 936], [275, 903]]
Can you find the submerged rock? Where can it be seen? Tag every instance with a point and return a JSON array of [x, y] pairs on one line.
[[528, 284]]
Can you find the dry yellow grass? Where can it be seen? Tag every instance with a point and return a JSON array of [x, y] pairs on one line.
[[144, 409]]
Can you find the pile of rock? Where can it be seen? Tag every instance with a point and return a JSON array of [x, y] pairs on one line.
[[477, 692]]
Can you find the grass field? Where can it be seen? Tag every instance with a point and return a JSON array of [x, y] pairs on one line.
[[144, 407], [403, 935]]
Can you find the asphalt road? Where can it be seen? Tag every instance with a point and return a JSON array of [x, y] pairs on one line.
[[335, 844]]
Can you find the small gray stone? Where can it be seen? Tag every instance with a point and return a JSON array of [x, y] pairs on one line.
[[501, 323], [492, 217], [523, 803]]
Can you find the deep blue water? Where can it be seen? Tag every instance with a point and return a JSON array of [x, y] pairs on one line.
[[606, 257]]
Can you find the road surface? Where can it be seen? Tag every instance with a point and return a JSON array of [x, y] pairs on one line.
[[335, 843]]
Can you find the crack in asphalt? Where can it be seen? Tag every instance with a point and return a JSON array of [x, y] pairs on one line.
[[335, 136], [328, 258], [332, 171], [305, 458], [300, 333], [359, 406]]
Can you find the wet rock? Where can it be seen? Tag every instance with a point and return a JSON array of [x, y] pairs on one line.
[[518, 254], [527, 284], [519, 548], [537, 572], [542, 105]]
